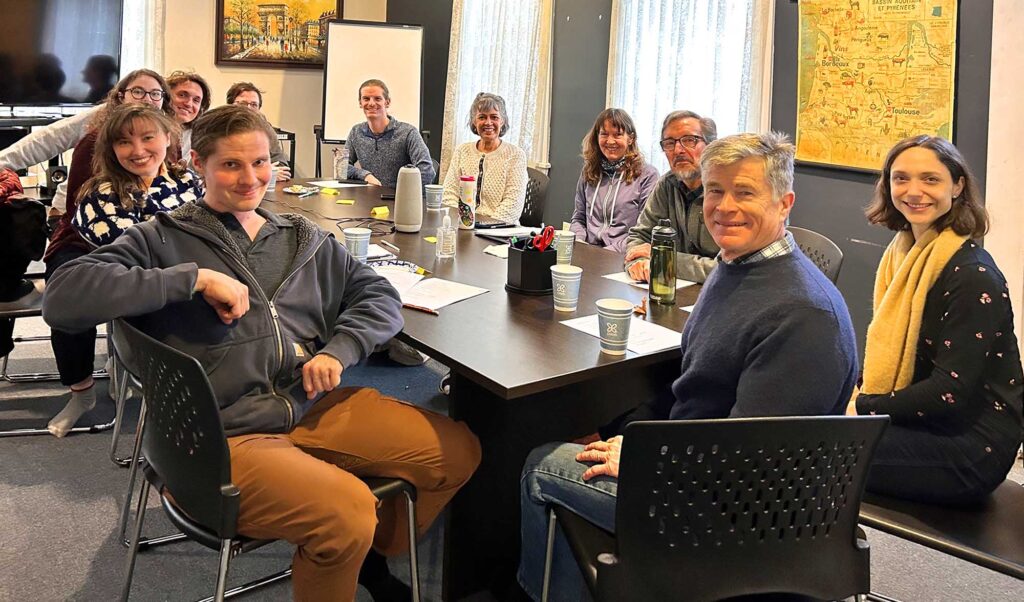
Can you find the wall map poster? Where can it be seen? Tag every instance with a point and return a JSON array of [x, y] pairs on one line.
[[872, 72]]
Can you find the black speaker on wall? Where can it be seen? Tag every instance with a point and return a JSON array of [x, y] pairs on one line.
[[56, 175]]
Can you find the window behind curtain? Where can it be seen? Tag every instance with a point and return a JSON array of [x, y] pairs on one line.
[[700, 55], [495, 47]]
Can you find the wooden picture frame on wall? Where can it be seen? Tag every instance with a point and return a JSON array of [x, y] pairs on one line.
[[274, 33]]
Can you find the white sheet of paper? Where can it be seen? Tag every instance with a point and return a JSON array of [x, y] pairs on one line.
[[497, 251], [435, 293], [688, 308], [334, 184], [644, 337], [624, 277], [376, 252], [512, 231], [399, 277]]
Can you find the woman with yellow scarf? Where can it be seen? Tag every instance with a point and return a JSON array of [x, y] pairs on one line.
[[941, 357]]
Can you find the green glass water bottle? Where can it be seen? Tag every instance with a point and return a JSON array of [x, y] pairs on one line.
[[663, 263]]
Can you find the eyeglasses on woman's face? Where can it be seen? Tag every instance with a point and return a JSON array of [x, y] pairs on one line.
[[140, 93]]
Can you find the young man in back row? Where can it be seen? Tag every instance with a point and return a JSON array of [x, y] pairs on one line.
[[383, 144], [275, 309]]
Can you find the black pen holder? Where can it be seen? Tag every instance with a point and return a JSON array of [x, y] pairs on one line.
[[529, 271]]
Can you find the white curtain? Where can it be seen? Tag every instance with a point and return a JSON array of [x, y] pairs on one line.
[[711, 57], [142, 35], [73, 45], [497, 46]]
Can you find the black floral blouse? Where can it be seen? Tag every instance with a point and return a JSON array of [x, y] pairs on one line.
[[967, 378]]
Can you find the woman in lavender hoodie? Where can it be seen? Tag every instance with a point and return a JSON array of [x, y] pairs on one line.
[[614, 184]]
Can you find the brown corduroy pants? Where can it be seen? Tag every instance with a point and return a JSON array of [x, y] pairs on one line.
[[303, 487]]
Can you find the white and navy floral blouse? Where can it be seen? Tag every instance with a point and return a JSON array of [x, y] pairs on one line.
[[100, 217], [967, 377]]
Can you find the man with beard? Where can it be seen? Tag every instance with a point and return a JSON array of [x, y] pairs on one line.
[[678, 197]]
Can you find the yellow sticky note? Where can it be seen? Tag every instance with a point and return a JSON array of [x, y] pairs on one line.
[[431, 239], [330, 191], [381, 211], [345, 202]]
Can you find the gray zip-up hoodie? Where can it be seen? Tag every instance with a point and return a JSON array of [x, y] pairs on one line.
[[328, 303], [695, 248]]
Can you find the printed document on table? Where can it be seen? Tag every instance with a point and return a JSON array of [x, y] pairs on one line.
[[624, 277], [335, 184], [400, 277], [376, 252], [644, 337], [435, 293]]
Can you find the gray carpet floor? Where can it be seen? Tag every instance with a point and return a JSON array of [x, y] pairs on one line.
[[60, 499]]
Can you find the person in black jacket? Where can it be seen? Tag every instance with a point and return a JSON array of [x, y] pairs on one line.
[[941, 358]]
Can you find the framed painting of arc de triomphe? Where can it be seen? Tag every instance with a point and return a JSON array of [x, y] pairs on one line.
[[274, 33]]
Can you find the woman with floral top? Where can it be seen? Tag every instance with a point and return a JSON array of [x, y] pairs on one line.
[[941, 358], [134, 181]]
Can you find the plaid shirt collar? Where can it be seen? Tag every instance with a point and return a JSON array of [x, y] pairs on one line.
[[783, 246]]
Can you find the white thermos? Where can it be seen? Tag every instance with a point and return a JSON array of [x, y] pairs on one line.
[[409, 200]]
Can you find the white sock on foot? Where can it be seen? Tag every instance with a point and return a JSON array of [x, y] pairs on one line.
[[81, 402]]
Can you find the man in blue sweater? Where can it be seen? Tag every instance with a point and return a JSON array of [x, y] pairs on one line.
[[765, 317]]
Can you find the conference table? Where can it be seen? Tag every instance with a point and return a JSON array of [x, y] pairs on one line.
[[519, 377]]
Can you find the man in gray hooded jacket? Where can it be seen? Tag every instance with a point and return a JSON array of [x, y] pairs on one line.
[[275, 309]]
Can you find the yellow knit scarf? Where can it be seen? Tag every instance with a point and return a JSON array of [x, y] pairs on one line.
[[906, 274]]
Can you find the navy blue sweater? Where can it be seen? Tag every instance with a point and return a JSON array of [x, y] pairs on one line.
[[771, 338]]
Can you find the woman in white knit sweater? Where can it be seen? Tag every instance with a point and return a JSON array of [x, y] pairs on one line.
[[498, 166]]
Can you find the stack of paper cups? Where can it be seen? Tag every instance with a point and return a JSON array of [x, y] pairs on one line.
[[357, 241], [564, 240], [565, 286]]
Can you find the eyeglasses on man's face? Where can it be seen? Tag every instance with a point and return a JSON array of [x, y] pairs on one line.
[[687, 141], [251, 105], [140, 93]]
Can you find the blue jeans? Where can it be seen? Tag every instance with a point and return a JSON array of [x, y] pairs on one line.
[[553, 476]]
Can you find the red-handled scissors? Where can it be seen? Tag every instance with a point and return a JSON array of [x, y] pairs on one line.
[[543, 240]]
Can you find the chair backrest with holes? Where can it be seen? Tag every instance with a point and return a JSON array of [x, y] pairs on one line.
[[183, 438], [719, 508], [820, 250]]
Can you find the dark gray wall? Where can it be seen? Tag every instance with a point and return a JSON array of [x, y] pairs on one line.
[[831, 201], [436, 18], [578, 83]]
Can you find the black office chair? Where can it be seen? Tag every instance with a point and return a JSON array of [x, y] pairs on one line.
[[818, 248], [712, 509], [536, 197], [186, 456]]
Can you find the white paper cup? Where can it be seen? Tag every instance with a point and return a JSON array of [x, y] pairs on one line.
[[565, 286], [613, 319], [357, 241], [564, 241], [434, 194], [272, 185]]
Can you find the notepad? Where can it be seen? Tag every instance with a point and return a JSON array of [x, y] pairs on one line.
[[430, 293]]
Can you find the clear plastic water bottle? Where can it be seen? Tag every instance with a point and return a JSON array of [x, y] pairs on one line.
[[663, 263], [340, 163]]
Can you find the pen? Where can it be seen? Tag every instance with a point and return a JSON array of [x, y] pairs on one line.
[[390, 246], [308, 193], [425, 310]]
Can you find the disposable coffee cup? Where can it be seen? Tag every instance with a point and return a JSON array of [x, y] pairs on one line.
[[564, 241], [613, 318], [565, 286], [272, 185], [434, 193], [357, 241]]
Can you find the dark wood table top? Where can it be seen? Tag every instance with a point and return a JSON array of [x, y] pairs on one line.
[[510, 344]]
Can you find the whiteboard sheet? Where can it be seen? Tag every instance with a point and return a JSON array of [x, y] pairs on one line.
[[358, 51]]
